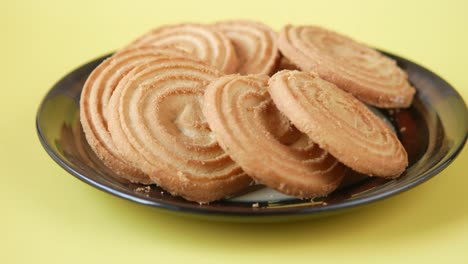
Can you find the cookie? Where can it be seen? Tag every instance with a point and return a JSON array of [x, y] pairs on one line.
[[339, 123], [262, 141], [202, 42], [370, 76], [156, 121], [255, 44], [95, 96]]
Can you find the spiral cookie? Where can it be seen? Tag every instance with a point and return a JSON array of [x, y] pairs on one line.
[[339, 123], [155, 119], [262, 141], [94, 99], [352, 66], [202, 42], [255, 44]]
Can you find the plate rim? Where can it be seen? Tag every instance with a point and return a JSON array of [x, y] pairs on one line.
[[258, 212]]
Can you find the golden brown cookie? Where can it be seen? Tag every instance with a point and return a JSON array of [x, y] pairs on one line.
[[202, 42], [339, 123], [367, 74], [262, 141], [95, 96], [255, 44], [157, 124]]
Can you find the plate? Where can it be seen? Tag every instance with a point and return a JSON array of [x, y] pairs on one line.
[[433, 131]]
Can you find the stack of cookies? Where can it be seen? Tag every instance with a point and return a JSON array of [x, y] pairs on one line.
[[203, 111]]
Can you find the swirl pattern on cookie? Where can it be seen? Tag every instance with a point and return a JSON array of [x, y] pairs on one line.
[[255, 44], [95, 96], [339, 123], [202, 42], [262, 141], [157, 124], [352, 66]]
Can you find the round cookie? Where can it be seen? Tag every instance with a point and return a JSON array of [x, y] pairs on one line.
[[339, 123], [352, 66], [95, 96], [202, 42], [262, 141], [255, 44], [156, 121]]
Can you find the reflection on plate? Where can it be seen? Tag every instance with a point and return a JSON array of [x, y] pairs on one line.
[[433, 131]]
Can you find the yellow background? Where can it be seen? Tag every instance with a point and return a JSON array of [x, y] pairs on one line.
[[48, 216]]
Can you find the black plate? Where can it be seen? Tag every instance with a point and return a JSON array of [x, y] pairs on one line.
[[433, 131]]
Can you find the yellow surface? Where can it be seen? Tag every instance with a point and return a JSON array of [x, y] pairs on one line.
[[48, 216]]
